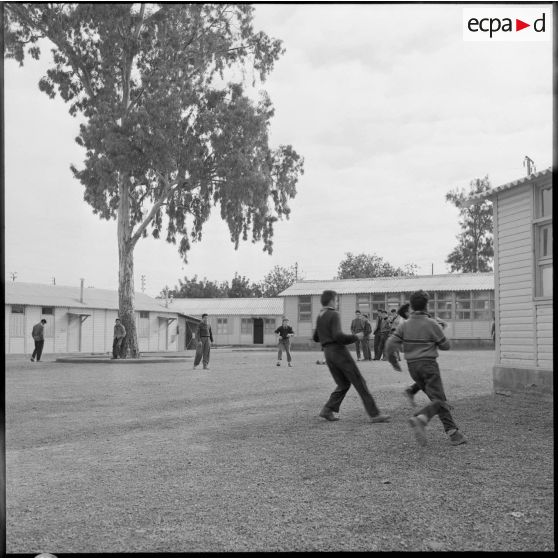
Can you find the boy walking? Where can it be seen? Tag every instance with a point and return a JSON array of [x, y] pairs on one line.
[[357, 325], [204, 338], [285, 332], [341, 364], [38, 334], [421, 337]]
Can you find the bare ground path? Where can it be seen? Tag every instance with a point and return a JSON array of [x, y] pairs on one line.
[[162, 458]]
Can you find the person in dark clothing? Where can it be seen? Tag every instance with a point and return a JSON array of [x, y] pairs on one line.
[[357, 325], [118, 339], [204, 338], [366, 352], [385, 330], [285, 332], [38, 334], [421, 336], [341, 364], [377, 335]]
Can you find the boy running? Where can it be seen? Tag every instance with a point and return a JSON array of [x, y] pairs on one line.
[[340, 362], [421, 337]]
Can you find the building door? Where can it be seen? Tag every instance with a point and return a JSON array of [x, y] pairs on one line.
[[258, 331], [74, 333], [163, 334]]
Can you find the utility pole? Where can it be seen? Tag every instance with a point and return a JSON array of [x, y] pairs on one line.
[[143, 283], [54, 280], [13, 275], [530, 165], [432, 268]]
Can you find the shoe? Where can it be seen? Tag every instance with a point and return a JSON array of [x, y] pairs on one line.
[[328, 414], [32, 360], [278, 363], [457, 438], [380, 418], [419, 429], [410, 396], [290, 365], [196, 366], [206, 367]]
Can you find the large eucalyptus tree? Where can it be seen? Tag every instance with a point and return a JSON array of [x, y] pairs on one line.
[[169, 129]]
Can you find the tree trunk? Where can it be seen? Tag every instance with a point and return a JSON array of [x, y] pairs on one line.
[[126, 272]]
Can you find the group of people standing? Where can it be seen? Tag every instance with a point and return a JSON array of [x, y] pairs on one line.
[[384, 325]]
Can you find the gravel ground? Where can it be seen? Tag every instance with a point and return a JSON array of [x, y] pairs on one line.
[[162, 458]]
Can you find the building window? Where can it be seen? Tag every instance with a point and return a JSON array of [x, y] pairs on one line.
[[246, 326], [305, 308], [47, 311], [363, 303], [443, 305], [378, 303], [393, 301], [222, 326], [463, 305], [17, 318], [269, 325], [483, 305], [543, 242], [143, 324]]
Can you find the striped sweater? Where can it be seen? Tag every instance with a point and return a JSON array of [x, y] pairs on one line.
[[420, 337]]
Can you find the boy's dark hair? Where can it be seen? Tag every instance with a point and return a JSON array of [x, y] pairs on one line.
[[357, 312], [403, 309], [327, 296], [204, 315], [419, 300], [393, 310], [43, 321]]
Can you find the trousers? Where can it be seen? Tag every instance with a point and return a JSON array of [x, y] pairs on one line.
[[426, 375], [38, 349], [345, 373], [284, 344], [202, 352]]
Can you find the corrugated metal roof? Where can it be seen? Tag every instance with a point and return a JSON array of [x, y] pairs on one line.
[[36, 294], [228, 306], [524, 180], [447, 282]]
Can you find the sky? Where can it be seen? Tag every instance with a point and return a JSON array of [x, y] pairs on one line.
[[390, 109]]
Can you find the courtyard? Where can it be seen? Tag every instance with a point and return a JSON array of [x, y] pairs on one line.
[[163, 458]]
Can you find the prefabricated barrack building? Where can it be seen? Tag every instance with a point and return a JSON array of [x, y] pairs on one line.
[[464, 300], [523, 272], [236, 321], [82, 320]]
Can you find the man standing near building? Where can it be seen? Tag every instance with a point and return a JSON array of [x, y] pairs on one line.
[[38, 334], [377, 335], [357, 326], [366, 352], [204, 338], [385, 330], [285, 332], [118, 338]]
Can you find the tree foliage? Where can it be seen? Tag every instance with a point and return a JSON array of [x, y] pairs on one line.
[[475, 249], [277, 280], [197, 288], [370, 265], [169, 130]]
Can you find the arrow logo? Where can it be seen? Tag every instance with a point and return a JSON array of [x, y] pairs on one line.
[[519, 25]]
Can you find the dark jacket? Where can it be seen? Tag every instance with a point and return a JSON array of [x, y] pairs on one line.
[[284, 332], [328, 329], [204, 330], [38, 332]]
